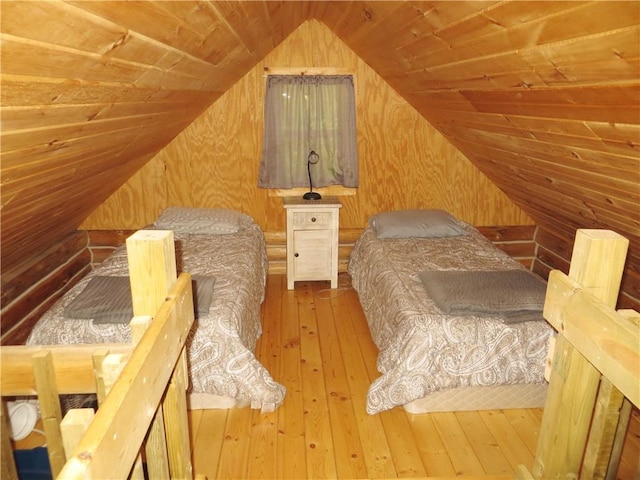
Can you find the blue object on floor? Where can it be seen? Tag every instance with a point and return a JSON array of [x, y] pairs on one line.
[[33, 464]]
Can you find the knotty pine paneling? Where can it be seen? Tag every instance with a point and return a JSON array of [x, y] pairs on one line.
[[86, 101], [30, 291], [404, 161]]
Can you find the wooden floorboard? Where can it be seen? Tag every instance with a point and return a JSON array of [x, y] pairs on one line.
[[316, 342]]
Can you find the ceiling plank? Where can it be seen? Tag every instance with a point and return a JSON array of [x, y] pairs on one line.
[[509, 27]]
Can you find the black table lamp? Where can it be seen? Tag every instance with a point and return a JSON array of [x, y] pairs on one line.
[[312, 159]]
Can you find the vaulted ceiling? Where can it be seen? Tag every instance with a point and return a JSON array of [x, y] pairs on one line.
[[543, 97]]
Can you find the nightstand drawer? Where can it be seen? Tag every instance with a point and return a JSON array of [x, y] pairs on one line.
[[312, 219]]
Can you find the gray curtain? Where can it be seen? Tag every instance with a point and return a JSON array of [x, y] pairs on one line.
[[304, 113]]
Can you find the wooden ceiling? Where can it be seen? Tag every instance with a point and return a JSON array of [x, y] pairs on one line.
[[543, 97]]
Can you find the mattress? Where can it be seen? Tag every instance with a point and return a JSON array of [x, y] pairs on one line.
[[422, 350], [220, 347]]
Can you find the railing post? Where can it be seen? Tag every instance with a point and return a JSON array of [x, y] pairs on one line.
[[8, 469], [49, 400], [597, 264], [153, 273]]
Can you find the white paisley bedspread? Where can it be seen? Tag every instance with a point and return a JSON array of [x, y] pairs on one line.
[[421, 350], [221, 343]]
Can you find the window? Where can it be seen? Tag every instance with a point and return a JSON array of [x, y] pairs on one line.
[[305, 113]]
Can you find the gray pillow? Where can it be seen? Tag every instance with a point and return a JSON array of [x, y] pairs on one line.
[[201, 220], [107, 299], [415, 224], [514, 295]]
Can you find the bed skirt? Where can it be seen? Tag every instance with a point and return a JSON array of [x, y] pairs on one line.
[[528, 395], [210, 401]]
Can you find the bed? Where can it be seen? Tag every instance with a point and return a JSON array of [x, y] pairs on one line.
[[435, 356], [225, 253], [141, 388]]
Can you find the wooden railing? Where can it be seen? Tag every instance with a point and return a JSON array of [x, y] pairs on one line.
[[595, 372], [141, 391]]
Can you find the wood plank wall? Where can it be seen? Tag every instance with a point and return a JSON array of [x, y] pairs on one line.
[[27, 294], [404, 161]]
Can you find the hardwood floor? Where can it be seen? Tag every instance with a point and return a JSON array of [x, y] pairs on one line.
[[316, 342]]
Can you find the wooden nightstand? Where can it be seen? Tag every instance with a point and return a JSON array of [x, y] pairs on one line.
[[312, 239]]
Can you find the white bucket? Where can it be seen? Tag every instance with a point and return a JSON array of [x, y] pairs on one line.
[[22, 418]]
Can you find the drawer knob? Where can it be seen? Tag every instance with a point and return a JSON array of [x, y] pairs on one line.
[[296, 255], [313, 219]]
